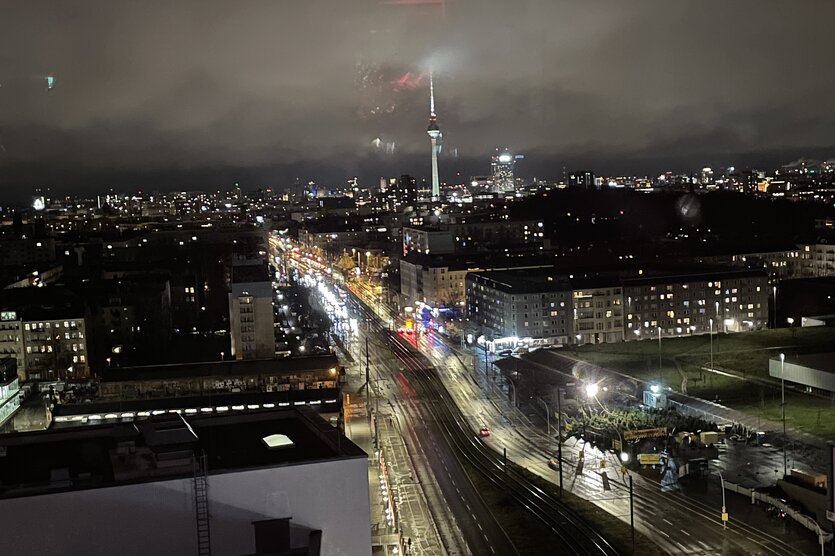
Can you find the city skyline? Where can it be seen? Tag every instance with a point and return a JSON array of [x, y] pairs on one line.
[[178, 97], [255, 300]]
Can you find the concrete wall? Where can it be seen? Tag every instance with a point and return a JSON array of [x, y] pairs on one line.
[[158, 518]]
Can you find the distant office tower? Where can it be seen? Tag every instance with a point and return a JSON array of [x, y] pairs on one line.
[[434, 134], [251, 312], [581, 178], [706, 176], [407, 190], [502, 164]]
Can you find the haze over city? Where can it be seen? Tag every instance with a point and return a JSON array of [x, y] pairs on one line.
[[263, 93]]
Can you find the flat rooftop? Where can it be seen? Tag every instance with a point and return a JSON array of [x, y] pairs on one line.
[[558, 278], [249, 273], [533, 280], [161, 449], [819, 361], [232, 368]]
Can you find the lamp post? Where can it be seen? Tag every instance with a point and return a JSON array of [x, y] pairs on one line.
[[711, 345], [783, 409], [660, 377], [775, 306], [631, 513], [724, 513], [820, 537]]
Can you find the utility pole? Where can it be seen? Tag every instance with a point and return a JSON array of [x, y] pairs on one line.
[[367, 366]]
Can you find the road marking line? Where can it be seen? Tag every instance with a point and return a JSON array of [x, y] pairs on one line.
[[664, 533], [685, 532], [667, 522]]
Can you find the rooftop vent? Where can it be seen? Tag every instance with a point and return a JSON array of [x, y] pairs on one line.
[[277, 441]]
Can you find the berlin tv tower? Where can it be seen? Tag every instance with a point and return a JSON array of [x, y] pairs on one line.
[[434, 134]]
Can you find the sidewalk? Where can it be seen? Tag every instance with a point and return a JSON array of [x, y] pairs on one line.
[[385, 539]]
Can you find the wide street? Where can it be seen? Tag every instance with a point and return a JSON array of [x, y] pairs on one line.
[[683, 521]]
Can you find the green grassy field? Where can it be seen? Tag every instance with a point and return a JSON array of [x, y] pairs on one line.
[[812, 415], [746, 354]]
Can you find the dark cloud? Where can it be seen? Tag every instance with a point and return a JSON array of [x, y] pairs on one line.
[[272, 90]]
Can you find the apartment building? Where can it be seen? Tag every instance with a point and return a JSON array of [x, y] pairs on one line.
[[45, 330], [818, 260], [251, 315], [436, 281], [734, 300], [597, 304], [510, 306], [546, 306]]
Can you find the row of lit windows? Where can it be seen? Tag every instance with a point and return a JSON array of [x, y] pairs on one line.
[[47, 348], [48, 325]]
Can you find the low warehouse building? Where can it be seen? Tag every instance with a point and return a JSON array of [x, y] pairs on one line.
[[814, 371]]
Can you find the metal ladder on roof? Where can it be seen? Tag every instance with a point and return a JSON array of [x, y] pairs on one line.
[[201, 505]]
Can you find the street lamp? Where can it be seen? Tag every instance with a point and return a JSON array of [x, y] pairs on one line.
[[592, 390], [724, 513], [660, 377], [711, 345], [775, 306], [783, 409]]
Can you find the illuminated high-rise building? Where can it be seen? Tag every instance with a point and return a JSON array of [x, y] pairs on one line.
[[502, 164], [434, 134]]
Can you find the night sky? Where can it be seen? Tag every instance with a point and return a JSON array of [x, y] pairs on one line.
[[201, 94]]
